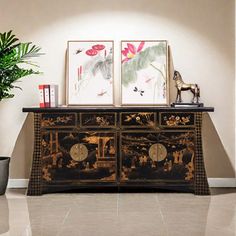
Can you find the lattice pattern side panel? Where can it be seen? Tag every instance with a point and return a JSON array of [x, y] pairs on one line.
[[201, 186], [35, 183]]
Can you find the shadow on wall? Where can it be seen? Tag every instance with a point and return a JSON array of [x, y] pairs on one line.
[[185, 95], [217, 161], [172, 89], [186, 13], [22, 154]]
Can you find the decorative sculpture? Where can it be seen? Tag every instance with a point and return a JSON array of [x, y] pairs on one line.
[[182, 86]]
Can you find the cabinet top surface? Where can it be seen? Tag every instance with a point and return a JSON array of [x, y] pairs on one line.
[[117, 109]]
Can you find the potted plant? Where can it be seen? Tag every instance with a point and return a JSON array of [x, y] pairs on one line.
[[14, 64]]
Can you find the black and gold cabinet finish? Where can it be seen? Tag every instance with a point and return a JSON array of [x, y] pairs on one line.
[[157, 156], [137, 119], [74, 157], [152, 147]]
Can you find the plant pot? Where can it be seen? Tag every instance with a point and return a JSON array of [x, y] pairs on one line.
[[4, 173]]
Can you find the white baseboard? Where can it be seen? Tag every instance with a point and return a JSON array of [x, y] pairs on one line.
[[213, 182], [222, 182], [17, 183]]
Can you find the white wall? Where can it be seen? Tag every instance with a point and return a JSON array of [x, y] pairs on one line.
[[200, 34]]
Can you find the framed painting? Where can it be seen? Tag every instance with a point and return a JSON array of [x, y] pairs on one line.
[[90, 73], [144, 73]]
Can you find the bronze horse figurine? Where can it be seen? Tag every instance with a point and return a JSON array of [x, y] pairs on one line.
[[181, 86]]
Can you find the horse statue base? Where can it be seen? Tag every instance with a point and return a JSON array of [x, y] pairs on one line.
[[185, 104]]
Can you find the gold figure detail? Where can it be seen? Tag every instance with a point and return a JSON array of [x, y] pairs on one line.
[[176, 120]]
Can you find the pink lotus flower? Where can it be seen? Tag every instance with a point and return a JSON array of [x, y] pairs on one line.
[[94, 50], [98, 47], [91, 52], [130, 51]]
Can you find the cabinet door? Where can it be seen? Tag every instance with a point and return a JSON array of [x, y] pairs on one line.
[[156, 156], [74, 157], [100, 162], [57, 164], [136, 163], [174, 153]]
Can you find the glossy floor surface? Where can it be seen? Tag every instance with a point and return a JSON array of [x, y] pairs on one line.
[[112, 214]]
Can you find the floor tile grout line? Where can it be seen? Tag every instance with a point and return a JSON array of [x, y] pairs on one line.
[[63, 222], [117, 205], [162, 216]]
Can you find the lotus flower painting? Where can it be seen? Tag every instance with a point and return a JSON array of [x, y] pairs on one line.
[[90, 73], [144, 76]]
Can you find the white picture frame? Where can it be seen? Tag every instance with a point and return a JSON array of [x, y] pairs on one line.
[[144, 73], [90, 73]]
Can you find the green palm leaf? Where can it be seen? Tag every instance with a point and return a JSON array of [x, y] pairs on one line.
[[7, 41], [12, 54], [26, 51]]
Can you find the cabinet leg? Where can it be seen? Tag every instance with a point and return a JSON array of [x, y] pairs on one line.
[[201, 186], [35, 182]]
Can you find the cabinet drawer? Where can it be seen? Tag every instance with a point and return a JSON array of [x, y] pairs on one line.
[[137, 119], [98, 120], [49, 120], [177, 119]]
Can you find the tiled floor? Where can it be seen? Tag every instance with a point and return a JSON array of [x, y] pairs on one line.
[[126, 214]]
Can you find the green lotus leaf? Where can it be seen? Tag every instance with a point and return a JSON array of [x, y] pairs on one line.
[[141, 61]]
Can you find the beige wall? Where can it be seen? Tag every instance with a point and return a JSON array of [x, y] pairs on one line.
[[201, 35]]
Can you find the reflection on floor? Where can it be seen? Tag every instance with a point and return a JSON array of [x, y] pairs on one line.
[[111, 214]]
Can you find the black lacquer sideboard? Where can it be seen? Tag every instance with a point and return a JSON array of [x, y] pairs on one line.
[[118, 147]]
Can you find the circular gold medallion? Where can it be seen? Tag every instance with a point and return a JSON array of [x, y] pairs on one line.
[[78, 152], [157, 152]]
